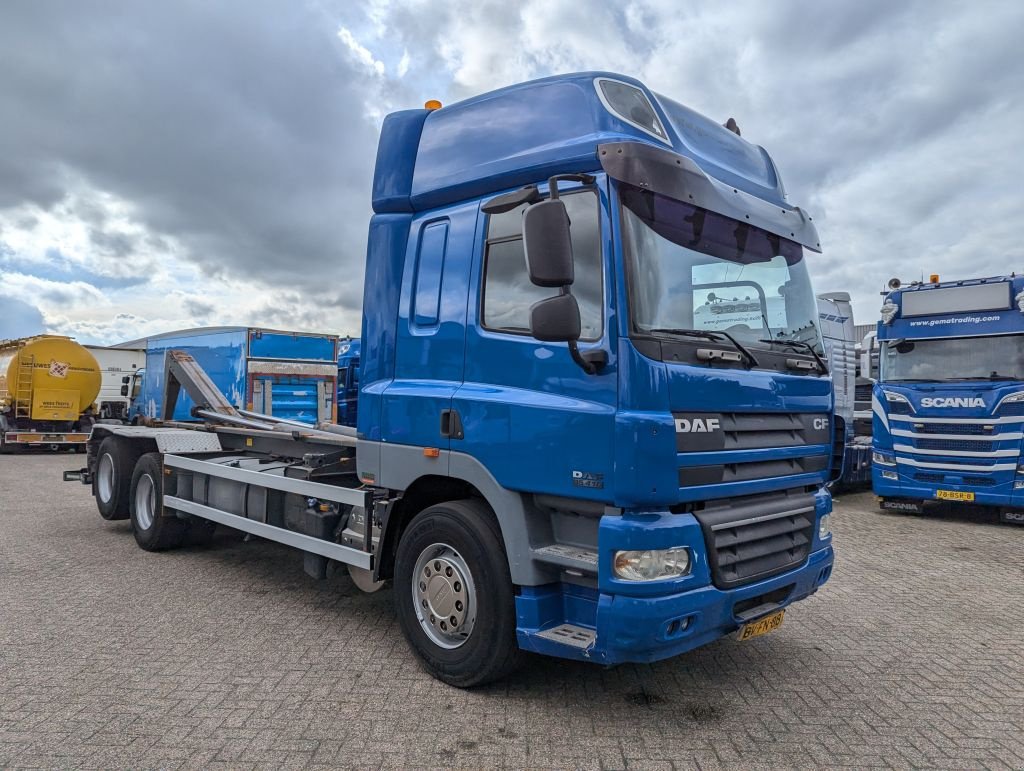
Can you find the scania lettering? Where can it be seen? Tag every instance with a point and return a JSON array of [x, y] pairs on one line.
[[547, 299], [949, 404]]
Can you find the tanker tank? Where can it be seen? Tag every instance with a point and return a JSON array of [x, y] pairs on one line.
[[48, 386]]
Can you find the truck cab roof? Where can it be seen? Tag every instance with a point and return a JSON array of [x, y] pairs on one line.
[[524, 133]]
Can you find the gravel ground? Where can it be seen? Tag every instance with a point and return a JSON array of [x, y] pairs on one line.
[[227, 655]]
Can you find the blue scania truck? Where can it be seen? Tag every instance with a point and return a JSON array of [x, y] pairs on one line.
[[594, 420], [949, 402]]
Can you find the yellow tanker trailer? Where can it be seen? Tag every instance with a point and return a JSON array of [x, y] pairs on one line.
[[48, 385]]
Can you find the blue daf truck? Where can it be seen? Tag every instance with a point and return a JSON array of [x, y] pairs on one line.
[[594, 419], [949, 402]]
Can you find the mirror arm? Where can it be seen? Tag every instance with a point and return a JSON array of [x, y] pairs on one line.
[[587, 366], [586, 179]]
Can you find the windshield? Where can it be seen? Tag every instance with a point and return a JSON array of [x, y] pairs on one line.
[[692, 269], [999, 357]]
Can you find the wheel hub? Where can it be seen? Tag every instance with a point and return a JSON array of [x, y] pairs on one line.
[[443, 593]]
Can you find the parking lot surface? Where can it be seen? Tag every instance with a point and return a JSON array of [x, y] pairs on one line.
[[228, 655]]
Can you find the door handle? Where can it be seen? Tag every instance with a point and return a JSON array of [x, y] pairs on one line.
[[451, 424]]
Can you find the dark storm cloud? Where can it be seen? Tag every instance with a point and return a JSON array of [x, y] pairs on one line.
[[235, 128]]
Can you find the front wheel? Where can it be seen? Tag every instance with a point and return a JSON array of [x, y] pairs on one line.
[[454, 594]]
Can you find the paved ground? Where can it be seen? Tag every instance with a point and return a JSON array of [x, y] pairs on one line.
[[228, 655]]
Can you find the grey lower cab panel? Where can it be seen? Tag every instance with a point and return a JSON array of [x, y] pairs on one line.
[[570, 634], [334, 551]]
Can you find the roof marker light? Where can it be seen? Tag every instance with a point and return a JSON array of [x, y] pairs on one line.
[[431, 104], [934, 278]]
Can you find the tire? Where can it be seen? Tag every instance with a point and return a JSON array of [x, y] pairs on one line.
[[112, 480], [462, 539], [153, 530]]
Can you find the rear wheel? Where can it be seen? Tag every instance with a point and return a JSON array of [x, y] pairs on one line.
[[153, 530], [454, 594], [113, 478]]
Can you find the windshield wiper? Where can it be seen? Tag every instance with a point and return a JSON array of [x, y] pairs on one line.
[[715, 336], [799, 344], [993, 376]]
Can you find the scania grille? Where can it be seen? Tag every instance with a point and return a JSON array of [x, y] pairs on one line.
[[961, 429], [756, 538], [954, 445]]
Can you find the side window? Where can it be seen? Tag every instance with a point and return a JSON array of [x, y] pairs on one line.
[[508, 291], [429, 268]]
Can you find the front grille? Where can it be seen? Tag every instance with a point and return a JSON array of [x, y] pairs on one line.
[[715, 431], [961, 429], [979, 481], [928, 476], [758, 537], [955, 445], [743, 472]]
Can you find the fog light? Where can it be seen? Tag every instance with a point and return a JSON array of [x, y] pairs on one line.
[[652, 565], [1019, 484], [890, 475], [824, 527]]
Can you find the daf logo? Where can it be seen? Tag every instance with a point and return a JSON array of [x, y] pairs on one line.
[[697, 425], [820, 424], [952, 401]]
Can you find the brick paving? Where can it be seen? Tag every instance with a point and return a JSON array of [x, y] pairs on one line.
[[228, 656]]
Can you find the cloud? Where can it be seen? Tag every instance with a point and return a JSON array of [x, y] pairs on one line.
[[211, 162], [19, 318]]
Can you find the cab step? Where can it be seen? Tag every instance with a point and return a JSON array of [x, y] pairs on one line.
[[572, 558], [570, 634]]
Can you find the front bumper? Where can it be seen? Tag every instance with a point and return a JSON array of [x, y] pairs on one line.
[[1000, 494], [645, 622]]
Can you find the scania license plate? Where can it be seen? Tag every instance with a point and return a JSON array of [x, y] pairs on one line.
[[954, 495], [762, 626]]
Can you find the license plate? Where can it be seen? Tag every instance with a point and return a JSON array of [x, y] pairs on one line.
[[762, 626], [953, 495]]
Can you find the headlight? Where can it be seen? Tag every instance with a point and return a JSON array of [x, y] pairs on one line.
[[1016, 398], [652, 565], [890, 475], [893, 397], [889, 310], [824, 527], [883, 458]]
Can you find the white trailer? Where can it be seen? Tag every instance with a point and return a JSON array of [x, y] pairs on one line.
[[116, 364]]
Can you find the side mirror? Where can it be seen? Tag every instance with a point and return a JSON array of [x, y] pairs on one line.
[[548, 244], [556, 319], [124, 390]]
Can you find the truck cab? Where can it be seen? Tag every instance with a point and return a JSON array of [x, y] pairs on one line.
[[589, 306], [949, 404]]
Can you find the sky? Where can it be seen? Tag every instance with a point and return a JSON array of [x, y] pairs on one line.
[[169, 165]]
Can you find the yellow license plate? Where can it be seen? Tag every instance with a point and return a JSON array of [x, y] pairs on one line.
[[762, 625], [953, 495]]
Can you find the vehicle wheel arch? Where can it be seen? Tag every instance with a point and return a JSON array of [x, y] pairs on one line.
[[515, 514]]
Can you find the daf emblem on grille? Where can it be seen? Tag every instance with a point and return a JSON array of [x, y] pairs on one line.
[[697, 425]]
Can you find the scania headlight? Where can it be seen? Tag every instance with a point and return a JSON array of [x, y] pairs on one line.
[[883, 458], [824, 527], [889, 310], [892, 397], [1016, 398], [652, 564]]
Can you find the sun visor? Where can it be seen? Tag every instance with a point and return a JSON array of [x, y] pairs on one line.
[[676, 176]]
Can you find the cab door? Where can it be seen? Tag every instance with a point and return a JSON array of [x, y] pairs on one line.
[[526, 410]]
